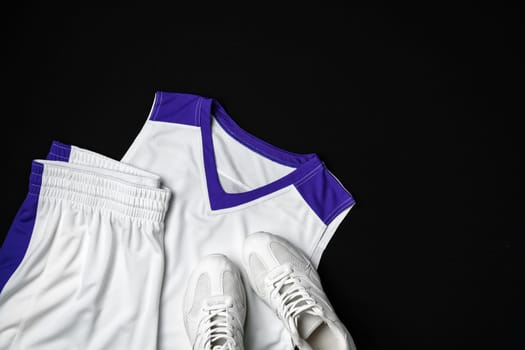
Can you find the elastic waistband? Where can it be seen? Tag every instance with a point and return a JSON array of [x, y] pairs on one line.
[[54, 179], [76, 155]]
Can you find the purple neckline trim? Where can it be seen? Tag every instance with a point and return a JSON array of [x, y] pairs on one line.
[[305, 164], [318, 187]]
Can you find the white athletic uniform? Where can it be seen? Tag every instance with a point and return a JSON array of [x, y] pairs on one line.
[[226, 184], [85, 264]]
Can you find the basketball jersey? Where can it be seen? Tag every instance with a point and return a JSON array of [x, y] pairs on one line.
[[226, 184]]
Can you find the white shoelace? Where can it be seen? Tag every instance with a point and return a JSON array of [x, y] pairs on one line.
[[293, 298], [219, 328]]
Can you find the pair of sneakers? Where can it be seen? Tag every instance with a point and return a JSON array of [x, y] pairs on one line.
[[215, 299]]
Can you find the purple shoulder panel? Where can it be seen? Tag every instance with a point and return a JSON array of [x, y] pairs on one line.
[[325, 194], [176, 108]]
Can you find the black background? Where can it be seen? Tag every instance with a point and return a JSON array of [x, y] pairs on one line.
[[415, 110]]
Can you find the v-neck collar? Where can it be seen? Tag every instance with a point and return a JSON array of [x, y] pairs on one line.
[[304, 164]]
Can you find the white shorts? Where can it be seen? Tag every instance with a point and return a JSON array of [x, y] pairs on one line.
[[82, 265]]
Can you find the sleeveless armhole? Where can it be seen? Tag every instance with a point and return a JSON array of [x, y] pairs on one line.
[[168, 107], [330, 201]]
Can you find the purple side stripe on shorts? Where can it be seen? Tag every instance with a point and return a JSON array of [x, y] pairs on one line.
[[19, 235]]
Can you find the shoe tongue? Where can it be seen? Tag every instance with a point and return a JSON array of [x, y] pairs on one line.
[[218, 299], [218, 345], [307, 324], [278, 273], [212, 301]]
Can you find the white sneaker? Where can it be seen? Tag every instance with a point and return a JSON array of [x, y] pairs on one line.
[[286, 280], [215, 305]]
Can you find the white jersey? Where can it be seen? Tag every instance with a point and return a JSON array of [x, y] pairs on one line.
[[225, 184]]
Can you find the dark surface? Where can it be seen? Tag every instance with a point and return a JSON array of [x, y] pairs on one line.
[[415, 110]]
